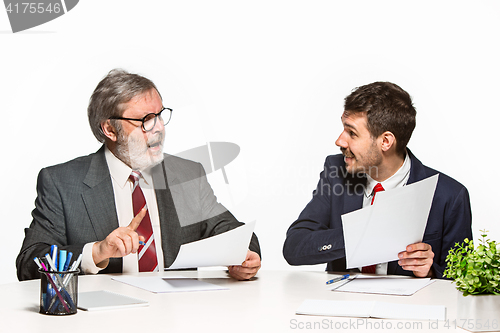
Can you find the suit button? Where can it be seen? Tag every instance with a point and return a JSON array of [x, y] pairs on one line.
[[329, 246], [320, 249], [325, 248]]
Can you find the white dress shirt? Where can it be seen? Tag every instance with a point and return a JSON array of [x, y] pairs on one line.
[[122, 189], [399, 179]]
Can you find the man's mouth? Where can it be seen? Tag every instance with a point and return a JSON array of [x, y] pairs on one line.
[[154, 144], [347, 154]]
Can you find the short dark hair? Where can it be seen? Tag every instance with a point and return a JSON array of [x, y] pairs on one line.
[[388, 108], [117, 88]]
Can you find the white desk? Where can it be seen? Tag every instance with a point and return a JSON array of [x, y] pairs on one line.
[[266, 304]]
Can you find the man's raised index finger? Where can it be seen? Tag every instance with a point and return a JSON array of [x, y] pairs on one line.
[[136, 221]]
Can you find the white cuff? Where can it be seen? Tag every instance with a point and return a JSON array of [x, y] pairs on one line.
[[88, 265]]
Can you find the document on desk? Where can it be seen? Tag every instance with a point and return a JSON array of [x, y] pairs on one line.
[[385, 285], [226, 249], [377, 233], [167, 284], [371, 309], [107, 300]]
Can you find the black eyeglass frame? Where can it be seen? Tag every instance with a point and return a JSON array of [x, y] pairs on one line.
[[143, 119]]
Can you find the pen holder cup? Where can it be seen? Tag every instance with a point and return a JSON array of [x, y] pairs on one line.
[[58, 292]]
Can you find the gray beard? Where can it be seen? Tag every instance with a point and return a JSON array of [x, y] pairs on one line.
[[134, 153]]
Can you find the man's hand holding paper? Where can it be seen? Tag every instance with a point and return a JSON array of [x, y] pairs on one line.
[[248, 268], [418, 258], [226, 249]]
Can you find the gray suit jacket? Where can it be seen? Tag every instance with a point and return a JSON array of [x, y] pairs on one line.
[[75, 205]]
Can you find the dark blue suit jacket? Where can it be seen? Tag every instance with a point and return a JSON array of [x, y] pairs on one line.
[[317, 237]]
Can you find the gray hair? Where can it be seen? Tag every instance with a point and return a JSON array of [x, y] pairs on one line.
[[117, 88]]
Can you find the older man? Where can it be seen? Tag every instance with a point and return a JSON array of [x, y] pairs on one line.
[[128, 207], [378, 121]]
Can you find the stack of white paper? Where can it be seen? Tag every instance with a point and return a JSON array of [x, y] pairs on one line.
[[171, 284], [386, 285]]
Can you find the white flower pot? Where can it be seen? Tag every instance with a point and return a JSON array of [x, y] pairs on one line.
[[478, 313]]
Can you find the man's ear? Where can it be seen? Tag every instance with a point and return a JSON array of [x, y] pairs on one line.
[[109, 130], [388, 141]]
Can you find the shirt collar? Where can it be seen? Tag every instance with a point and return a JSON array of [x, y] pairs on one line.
[[399, 179], [120, 172]]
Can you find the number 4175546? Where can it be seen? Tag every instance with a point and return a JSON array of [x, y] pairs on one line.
[[33, 8]]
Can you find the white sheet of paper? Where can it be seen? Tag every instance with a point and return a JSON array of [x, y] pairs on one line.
[[377, 233], [107, 300], [384, 285], [167, 284], [226, 249], [373, 309], [408, 311]]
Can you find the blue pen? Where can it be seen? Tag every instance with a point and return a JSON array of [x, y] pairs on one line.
[[68, 260], [62, 260], [340, 278], [53, 255], [75, 264], [50, 294]]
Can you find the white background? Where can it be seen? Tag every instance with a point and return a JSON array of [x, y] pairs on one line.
[[269, 76]]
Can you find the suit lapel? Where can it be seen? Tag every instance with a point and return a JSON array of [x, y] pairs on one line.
[[99, 197]]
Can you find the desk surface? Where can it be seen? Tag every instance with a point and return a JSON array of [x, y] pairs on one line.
[[265, 304]]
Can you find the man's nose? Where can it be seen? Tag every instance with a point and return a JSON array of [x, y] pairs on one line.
[[341, 142], [159, 126]]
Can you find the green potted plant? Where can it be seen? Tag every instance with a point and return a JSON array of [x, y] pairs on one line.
[[476, 273]]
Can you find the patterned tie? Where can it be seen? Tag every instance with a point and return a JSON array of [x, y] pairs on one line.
[[371, 269], [147, 253]]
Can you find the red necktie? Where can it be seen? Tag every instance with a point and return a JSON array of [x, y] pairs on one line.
[[371, 268], [147, 253]]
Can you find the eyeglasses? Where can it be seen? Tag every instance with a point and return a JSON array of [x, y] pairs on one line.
[[149, 120]]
